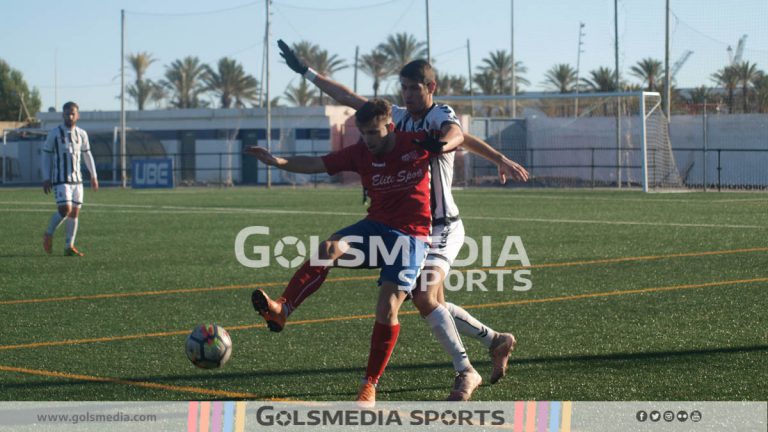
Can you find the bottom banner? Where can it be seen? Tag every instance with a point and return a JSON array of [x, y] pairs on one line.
[[516, 416]]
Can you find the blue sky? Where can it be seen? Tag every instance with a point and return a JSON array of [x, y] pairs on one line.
[[82, 37]]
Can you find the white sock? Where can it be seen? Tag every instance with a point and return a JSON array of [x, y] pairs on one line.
[[470, 326], [54, 223], [444, 329], [71, 231]]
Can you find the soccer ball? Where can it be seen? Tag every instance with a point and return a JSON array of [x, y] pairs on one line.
[[209, 346]]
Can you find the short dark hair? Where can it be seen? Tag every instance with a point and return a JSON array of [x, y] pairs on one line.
[[420, 71], [372, 109], [69, 105]]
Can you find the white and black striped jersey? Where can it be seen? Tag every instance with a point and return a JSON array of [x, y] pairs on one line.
[[441, 167], [65, 148]]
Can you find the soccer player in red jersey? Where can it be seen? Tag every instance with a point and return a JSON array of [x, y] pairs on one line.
[[394, 168], [418, 85]]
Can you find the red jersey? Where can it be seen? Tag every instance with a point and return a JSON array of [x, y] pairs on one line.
[[397, 182]]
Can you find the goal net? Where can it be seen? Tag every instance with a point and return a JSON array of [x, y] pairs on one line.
[[593, 140]]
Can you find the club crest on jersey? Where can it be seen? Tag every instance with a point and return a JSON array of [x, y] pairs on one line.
[[413, 155]]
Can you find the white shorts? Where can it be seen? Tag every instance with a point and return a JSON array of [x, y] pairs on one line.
[[445, 244], [68, 194]]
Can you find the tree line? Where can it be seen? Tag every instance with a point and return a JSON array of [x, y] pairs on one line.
[[190, 83]]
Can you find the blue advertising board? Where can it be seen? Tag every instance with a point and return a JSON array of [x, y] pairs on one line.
[[152, 173]]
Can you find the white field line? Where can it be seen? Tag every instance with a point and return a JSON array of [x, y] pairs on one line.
[[147, 209]]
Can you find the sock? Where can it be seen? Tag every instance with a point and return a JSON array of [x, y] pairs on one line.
[[54, 223], [470, 326], [383, 342], [303, 284], [444, 329], [71, 231]]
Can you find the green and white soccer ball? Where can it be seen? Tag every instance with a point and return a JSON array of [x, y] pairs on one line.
[[209, 346]]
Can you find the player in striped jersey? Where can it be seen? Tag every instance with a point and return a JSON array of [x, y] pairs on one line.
[[418, 84], [65, 148]]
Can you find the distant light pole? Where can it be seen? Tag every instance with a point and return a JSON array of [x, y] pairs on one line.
[[578, 69], [512, 55]]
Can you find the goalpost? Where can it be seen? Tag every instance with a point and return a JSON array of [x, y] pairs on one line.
[[616, 139]]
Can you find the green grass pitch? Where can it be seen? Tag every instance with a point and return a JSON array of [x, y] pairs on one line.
[[683, 318]]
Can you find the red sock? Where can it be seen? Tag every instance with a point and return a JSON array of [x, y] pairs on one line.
[[304, 282], [383, 342]]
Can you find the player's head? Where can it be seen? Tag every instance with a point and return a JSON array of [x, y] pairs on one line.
[[418, 84], [71, 113], [374, 121]]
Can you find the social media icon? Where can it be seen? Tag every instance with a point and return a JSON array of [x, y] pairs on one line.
[[655, 416], [641, 416], [682, 416], [695, 416], [669, 416]]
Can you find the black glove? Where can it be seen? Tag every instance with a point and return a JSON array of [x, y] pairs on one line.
[[431, 144], [293, 62]]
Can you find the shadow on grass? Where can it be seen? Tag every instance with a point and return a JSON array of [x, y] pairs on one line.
[[314, 374]]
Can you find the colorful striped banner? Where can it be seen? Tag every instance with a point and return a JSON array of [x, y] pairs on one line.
[[192, 417], [517, 426], [205, 416], [541, 416], [216, 417], [554, 416], [530, 416], [541, 422]]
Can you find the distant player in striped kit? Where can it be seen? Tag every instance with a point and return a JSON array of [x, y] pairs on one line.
[[65, 148]]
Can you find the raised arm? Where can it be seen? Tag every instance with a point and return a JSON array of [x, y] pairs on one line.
[[297, 164], [340, 93], [506, 166]]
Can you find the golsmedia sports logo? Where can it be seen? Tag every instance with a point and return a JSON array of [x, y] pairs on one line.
[[510, 262], [269, 416]]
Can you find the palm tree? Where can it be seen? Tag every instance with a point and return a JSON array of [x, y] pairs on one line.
[[377, 66], [401, 49], [141, 90], [700, 95], [231, 84], [158, 93], [452, 85], [760, 85], [499, 63], [486, 82], [302, 95], [649, 70], [320, 60], [728, 77], [561, 77], [601, 80], [746, 73], [186, 79]]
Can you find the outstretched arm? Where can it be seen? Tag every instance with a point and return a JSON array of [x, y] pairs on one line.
[[507, 167], [340, 93], [452, 135], [297, 164]]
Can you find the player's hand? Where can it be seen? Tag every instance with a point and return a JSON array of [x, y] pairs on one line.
[[94, 184], [293, 62], [513, 170], [47, 187], [263, 155], [431, 144]]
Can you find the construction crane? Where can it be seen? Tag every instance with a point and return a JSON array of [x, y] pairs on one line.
[[679, 63], [736, 58]]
